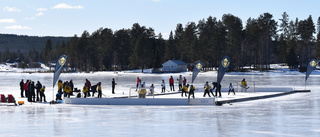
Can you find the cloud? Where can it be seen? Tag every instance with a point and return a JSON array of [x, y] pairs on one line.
[[66, 6], [29, 18], [40, 14], [18, 27], [156, 0], [11, 9], [42, 9], [7, 21]]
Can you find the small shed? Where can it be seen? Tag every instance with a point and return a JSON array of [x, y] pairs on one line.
[[174, 66]]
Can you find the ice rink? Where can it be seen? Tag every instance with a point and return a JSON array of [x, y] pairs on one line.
[[292, 115]]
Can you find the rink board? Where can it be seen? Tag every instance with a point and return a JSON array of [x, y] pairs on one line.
[[139, 101]]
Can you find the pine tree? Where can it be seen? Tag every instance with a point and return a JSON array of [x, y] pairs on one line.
[[72, 52], [122, 41], [47, 52], [292, 59], [178, 36], [305, 29], [83, 52], [170, 48], [234, 28], [284, 26], [317, 52]]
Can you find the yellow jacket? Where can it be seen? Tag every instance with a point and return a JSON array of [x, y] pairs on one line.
[[67, 89], [142, 91], [185, 88], [60, 85], [85, 89], [192, 88], [244, 83], [207, 87], [99, 88], [42, 89]]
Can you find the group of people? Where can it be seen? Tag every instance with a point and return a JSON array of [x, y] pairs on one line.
[[184, 90], [141, 88], [33, 91], [67, 88], [183, 87], [208, 89], [64, 88], [87, 88], [181, 82]]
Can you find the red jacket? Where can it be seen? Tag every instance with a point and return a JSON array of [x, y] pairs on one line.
[[25, 86], [171, 81]]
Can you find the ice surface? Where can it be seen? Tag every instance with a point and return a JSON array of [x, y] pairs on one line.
[[291, 115]]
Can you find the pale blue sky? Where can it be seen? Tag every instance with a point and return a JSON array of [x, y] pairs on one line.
[[69, 17]]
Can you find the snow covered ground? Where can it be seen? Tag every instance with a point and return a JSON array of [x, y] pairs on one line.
[[291, 115]]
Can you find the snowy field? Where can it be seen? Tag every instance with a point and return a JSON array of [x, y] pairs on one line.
[[291, 115]]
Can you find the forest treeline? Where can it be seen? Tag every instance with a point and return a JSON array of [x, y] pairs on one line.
[[25, 48], [25, 43], [257, 43]]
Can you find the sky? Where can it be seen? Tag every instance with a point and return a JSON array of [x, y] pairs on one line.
[[73, 17]]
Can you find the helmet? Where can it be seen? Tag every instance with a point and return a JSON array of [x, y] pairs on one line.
[[44, 86]]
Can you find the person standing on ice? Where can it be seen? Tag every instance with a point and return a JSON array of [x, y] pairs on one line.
[[99, 90], [138, 81], [71, 86], [60, 86], [163, 86], [180, 82], [139, 84], [67, 90], [113, 85], [206, 89], [85, 90], [25, 87], [231, 89], [244, 85], [191, 91], [184, 81], [214, 85], [142, 92], [88, 84], [21, 88], [184, 90], [151, 89], [171, 82], [42, 95], [217, 87], [38, 87], [32, 92], [64, 88]]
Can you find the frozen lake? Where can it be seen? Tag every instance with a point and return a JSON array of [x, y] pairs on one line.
[[291, 115]]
